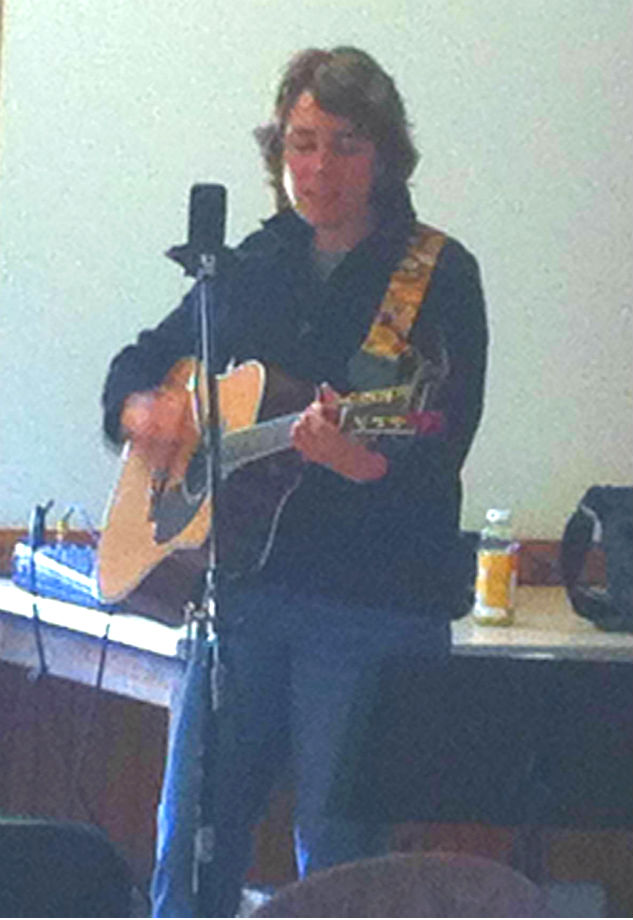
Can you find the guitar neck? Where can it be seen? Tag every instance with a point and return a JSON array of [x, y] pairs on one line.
[[377, 412], [263, 440], [245, 445]]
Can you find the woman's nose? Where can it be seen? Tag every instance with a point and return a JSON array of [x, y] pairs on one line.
[[325, 157]]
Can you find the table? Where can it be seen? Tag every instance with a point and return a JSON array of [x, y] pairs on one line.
[[140, 658], [527, 724], [541, 707], [546, 627]]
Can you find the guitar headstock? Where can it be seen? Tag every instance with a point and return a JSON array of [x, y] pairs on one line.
[[373, 412], [402, 409]]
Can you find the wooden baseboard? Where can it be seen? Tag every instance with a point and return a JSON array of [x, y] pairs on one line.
[[538, 559], [539, 564]]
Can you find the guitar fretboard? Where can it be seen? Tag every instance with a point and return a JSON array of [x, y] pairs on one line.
[[263, 440]]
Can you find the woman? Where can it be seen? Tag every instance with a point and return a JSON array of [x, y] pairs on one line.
[[367, 563]]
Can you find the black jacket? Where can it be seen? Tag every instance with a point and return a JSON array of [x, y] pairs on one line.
[[393, 542]]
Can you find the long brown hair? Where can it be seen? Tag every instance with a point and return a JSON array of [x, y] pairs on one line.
[[349, 83]]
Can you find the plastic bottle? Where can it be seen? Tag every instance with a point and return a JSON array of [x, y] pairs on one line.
[[497, 570]]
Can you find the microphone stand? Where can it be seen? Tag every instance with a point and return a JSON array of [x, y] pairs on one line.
[[211, 438], [207, 614]]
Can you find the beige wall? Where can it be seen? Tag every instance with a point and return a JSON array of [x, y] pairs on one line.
[[522, 112]]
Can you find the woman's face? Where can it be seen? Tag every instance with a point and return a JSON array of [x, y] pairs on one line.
[[329, 173]]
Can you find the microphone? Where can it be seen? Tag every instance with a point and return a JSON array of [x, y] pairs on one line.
[[207, 220]]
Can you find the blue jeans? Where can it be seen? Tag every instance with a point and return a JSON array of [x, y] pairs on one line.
[[294, 676]]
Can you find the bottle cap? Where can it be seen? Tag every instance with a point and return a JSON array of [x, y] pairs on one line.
[[498, 515]]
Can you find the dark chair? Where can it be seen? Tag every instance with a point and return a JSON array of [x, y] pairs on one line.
[[61, 869]]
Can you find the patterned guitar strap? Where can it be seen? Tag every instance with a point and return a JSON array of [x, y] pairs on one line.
[[386, 363]]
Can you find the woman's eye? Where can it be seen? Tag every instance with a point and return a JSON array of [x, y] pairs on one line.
[[299, 145]]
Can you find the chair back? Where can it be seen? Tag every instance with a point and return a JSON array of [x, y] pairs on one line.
[[410, 885]]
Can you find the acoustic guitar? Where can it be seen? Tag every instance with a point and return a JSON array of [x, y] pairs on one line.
[[154, 545]]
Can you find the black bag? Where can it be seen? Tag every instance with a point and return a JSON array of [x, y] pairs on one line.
[[605, 513]]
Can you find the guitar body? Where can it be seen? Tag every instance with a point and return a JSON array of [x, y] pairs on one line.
[[154, 549]]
